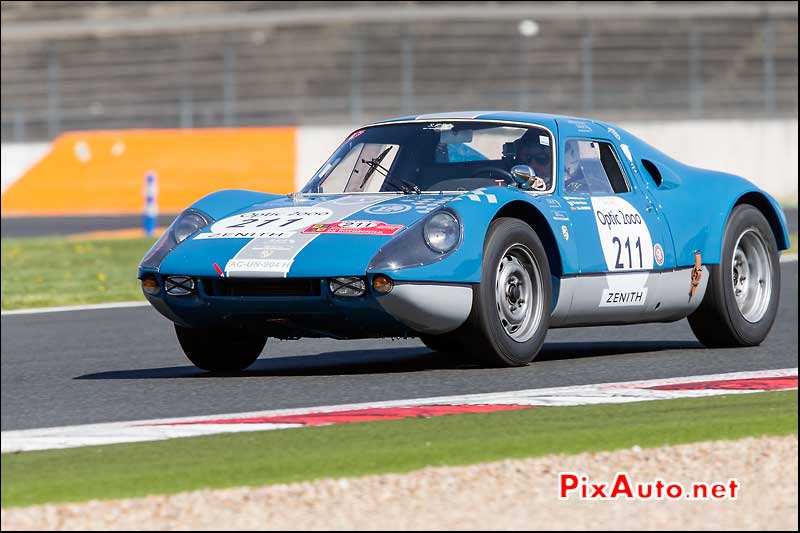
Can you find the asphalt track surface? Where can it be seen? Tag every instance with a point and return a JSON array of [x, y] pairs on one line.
[[125, 364], [13, 227]]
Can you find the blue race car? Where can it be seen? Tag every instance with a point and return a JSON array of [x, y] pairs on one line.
[[476, 232]]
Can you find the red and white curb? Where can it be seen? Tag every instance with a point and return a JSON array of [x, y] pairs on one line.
[[605, 393]]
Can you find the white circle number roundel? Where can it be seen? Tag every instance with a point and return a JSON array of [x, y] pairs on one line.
[[278, 219], [623, 233]]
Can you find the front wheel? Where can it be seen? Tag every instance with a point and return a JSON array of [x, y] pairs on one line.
[[511, 306], [741, 299], [220, 349]]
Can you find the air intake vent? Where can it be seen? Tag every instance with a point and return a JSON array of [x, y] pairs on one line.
[[652, 169]]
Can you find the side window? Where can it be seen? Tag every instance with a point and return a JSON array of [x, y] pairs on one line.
[[591, 167]]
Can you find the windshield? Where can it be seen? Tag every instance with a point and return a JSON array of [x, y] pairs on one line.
[[435, 156]]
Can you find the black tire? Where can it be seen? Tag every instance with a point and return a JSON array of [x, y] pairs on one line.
[[220, 349], [719, 322], [484, 336], [444, 343]]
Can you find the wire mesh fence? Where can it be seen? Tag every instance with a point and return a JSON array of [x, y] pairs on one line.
[[90, 65]]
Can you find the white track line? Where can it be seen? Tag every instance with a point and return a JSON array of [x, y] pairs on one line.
[[788, 258], [151, 430], [90, 307]]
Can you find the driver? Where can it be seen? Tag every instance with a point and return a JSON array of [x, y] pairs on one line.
[[532, 151]]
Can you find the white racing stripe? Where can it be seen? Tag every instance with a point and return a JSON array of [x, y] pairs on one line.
[[151, 430], [90, 307], [273, 256]]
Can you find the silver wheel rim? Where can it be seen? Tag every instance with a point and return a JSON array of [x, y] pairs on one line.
[[518, 290], [751, 276]]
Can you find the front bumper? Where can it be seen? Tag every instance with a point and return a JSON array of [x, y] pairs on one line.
[[309, 309]]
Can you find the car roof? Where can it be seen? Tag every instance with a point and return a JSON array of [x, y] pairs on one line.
[[512, 116]]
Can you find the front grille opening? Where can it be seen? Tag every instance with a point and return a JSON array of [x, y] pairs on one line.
[[223, 287]]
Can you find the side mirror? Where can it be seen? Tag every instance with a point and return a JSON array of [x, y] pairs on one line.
[[523, 175]]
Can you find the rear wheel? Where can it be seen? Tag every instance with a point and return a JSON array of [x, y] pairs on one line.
[[511, 306], [220, 349], [741, 299]]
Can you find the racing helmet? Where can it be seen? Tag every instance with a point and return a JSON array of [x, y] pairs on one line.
[[531, 149]]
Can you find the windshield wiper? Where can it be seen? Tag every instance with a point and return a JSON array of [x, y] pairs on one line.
[[402, 185], [374, 164]]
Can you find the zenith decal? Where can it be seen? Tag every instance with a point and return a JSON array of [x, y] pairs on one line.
[[617, 298]]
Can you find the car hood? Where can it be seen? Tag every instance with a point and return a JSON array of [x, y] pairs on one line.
[[301, 235]]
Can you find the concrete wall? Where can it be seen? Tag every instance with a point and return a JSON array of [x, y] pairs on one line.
[[83, 173]]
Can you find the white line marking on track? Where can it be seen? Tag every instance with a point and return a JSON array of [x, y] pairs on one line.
[[89, 307], [788, 258], [151, 430]]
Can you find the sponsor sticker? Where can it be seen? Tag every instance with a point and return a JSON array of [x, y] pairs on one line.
[[387, 209], [273, 223], [616, 298], [581, 126], [577, 203], [560, 215], [270, 247], [439, 126], [627, 151], [354, 135], [658, 254], [623, 233], [552, 202], [544, 140], [565, 233], [614, 133], [355, 227]]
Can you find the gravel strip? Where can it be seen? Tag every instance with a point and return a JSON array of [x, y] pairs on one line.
[[511, 494]]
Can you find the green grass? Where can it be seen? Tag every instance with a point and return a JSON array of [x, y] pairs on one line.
[[43, 272], [260, 458]]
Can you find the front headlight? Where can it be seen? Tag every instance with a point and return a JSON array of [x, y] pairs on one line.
[[442, 232], [184, 226], [187, 224], [423, 243]]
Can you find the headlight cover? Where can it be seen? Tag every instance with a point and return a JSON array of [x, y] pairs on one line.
[[413, 248], [187, 224], [184, 226], [442, 232]]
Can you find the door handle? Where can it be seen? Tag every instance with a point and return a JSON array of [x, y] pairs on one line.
[[649, 208]]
